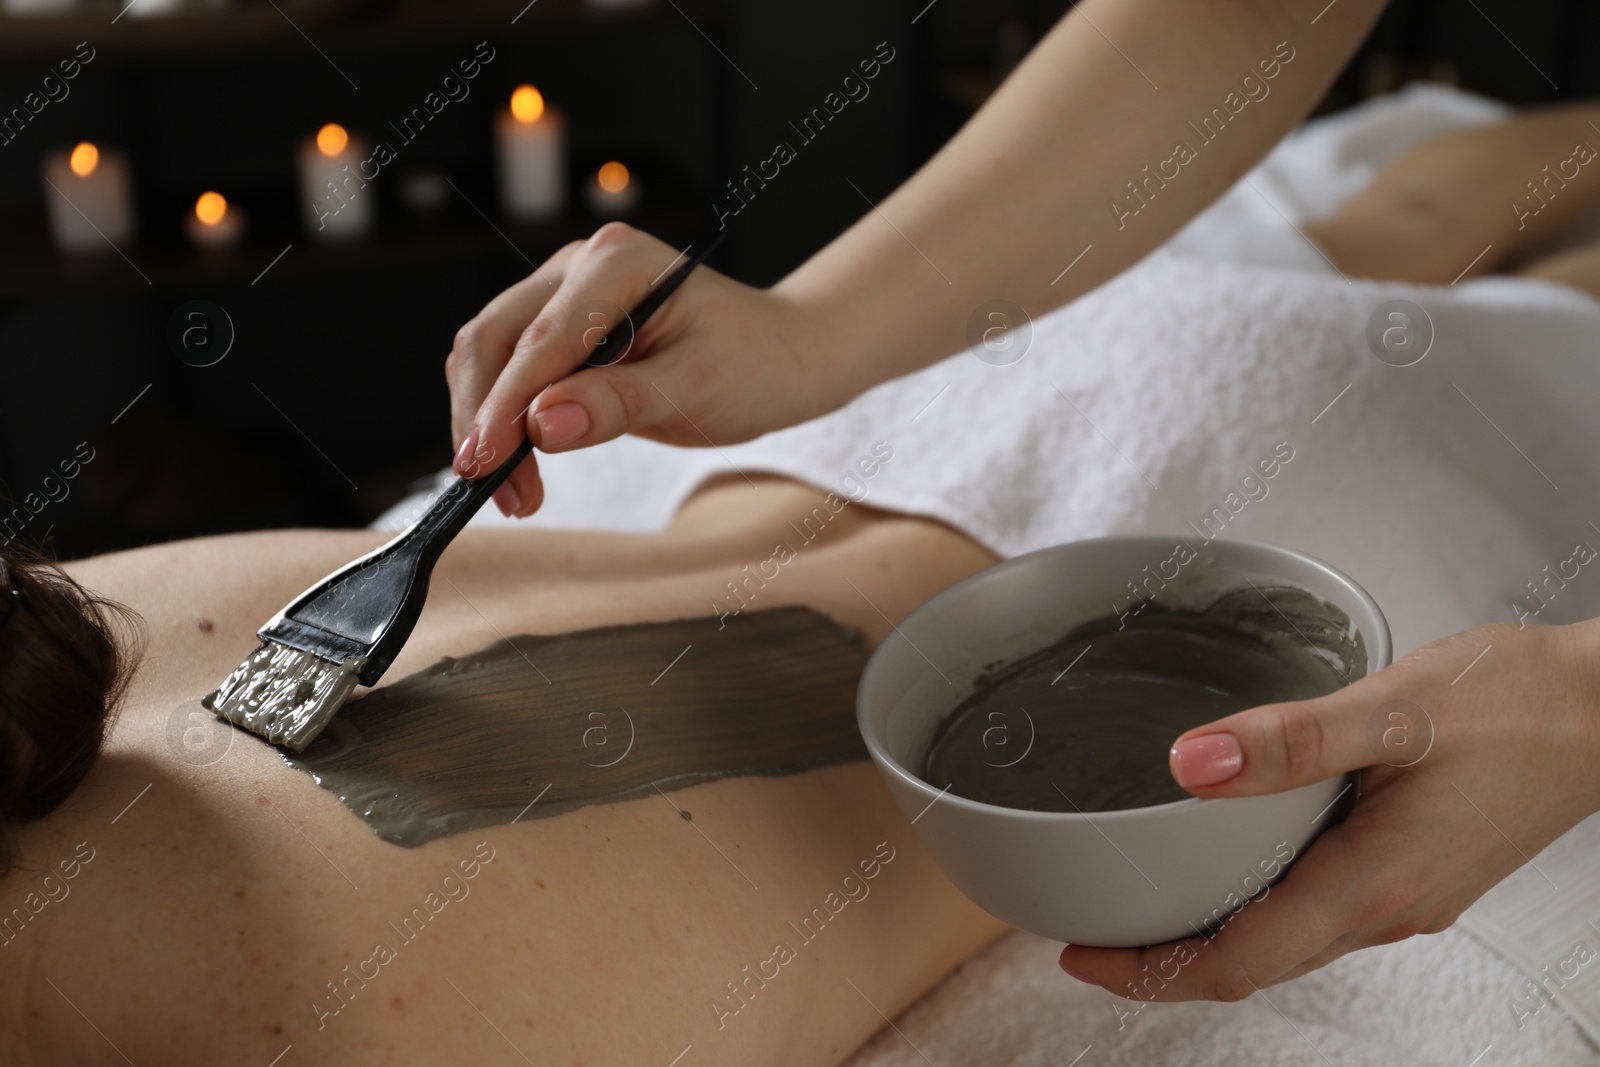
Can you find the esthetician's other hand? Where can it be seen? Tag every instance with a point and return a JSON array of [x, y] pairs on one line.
[[1511, 767], [720, 362]]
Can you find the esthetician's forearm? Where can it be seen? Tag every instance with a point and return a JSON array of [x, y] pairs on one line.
[[1030, 182]]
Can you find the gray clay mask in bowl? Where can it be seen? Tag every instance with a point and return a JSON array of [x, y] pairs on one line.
[[1022, 719]]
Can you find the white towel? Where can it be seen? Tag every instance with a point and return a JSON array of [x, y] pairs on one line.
[[1149, 406], [1429, 1002], [1545, 918]]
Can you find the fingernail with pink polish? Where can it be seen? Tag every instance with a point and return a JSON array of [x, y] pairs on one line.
[[561, 424], [464, 463], [1206, 760]]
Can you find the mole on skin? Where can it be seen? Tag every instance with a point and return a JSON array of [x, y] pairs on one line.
[[1038, 736], [536, 726]]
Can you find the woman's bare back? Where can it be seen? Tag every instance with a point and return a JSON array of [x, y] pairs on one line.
[[227, 908]]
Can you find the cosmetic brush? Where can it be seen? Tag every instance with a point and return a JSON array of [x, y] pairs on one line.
[[348, 628]]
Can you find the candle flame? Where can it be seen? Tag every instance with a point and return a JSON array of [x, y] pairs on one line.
[[331, 139], [85, 158], [210, 208], [527, 104], [613, 177]]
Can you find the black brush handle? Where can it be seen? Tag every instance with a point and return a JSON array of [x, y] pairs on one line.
[[370, 608], [620, 337], [455, 507]]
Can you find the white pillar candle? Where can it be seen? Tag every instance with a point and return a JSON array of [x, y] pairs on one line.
[[339, 201], [531, 140], [89, 197], [214, 223], [611, 192]]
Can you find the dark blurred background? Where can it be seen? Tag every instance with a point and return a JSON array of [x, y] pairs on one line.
[[331, 401]]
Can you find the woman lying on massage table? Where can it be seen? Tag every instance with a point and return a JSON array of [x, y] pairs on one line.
[[168, 907]]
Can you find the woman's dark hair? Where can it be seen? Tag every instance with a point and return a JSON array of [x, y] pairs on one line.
[[63, 672]]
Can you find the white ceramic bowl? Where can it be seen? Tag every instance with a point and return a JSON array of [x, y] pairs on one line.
[[1126, 878]]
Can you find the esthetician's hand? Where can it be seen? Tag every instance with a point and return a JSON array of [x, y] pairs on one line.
[[1515, 738], [922, 268], [719, 363]]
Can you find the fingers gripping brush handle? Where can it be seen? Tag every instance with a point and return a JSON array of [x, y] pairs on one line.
[[348, 628], [367, 610], [613, 347]]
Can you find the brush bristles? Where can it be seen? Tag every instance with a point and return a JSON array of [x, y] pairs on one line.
[[283, 694]]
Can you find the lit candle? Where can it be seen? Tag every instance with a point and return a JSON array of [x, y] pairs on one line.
[[532, 143], [214, 223], [339, 202], [611, 191], [90, 198]]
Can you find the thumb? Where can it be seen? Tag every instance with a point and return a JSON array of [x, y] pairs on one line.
[[1275, 747], [598, 405]]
